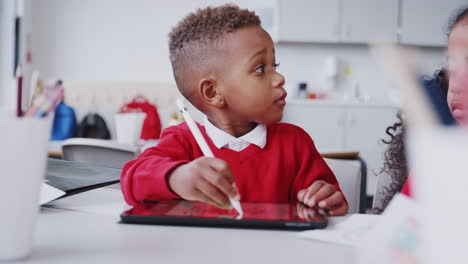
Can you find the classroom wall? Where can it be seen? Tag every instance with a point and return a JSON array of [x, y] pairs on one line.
[[122, 40]]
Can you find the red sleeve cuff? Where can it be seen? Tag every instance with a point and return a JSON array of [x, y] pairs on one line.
[[154, 186]]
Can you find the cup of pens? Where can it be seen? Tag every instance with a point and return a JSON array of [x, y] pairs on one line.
[[23, 158]]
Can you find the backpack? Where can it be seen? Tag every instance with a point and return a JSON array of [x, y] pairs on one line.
[[152, 124], [93, 126], [64, 123]]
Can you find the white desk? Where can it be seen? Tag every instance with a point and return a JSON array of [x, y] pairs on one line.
[[84, 229]]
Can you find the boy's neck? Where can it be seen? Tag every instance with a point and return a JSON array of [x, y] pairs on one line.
[[235, 129]]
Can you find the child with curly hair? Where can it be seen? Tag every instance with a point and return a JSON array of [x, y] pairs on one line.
[[453, 82]]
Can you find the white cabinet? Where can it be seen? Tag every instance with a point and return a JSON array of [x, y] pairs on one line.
[[350, 21], [424, 22], [365, 129], [308, 20], [413, 22], [338, 127], [365, 20], [325, 123]]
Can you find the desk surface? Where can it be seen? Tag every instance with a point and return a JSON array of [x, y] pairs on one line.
[[84, 229]]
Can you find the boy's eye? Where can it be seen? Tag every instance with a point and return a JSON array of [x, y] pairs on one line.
[[260, 69]]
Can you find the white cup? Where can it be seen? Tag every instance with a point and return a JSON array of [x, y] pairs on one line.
[[440, 158], [128, 127], [23, 157]]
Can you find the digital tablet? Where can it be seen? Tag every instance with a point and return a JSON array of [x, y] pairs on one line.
[[256, 215]]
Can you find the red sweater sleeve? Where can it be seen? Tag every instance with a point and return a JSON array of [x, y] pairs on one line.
[[145, 178], [312, 167]]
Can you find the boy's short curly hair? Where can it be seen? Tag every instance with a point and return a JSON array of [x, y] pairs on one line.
[[194, 38]]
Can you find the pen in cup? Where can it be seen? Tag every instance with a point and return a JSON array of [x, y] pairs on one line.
[[202, 144], [46, 102]]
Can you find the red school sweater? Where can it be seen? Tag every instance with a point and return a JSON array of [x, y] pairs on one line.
[[288, 163]]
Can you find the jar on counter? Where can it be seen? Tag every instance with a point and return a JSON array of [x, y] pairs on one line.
[[302, 92]]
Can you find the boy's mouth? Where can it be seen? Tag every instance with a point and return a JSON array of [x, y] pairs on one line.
[[282, 99]]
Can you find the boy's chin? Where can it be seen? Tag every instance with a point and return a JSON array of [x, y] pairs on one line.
[[273, 120]]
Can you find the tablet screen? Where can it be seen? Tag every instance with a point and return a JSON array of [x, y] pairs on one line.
[[284, 212]]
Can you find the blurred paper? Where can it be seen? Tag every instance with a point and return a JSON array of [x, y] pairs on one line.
[[49, 193], [396, 238], [441, 169], [347, 232]]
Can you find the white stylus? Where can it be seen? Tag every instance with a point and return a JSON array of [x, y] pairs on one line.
[[202, 144]]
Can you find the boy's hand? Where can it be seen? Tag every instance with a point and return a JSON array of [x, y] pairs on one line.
[[205, 179], [310, 214], [324, 195]]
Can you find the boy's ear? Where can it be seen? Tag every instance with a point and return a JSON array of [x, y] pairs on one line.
[[209, 93]]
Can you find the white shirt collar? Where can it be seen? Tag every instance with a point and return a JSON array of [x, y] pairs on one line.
[[221, 139]]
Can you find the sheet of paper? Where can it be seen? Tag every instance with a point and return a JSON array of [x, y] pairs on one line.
[[396, 238], [347, 232], [49, 193], [111, 202]]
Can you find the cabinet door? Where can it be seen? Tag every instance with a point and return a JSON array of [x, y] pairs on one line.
[[365, 131], [308, 20], [366, 20], [424, 22], [324, 123]]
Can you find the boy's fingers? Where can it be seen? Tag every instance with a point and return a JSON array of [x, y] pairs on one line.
[[340, 210], [205, 199], [311, 191], [308, 199], [222, 167], [213, 193], [301, 194], [324, 192], [332, 200], [220, 182]]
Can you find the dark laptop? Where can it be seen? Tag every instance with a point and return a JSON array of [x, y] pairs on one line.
[[74, 177]]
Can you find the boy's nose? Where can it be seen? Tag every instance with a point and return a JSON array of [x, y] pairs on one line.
[[278, 80]]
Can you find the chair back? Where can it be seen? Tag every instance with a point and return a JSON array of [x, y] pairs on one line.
[[349, 176]]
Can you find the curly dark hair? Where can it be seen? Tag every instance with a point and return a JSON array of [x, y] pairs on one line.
[[395, 162], [193, 41]]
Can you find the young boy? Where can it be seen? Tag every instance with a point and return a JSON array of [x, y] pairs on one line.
[[224, 64]]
